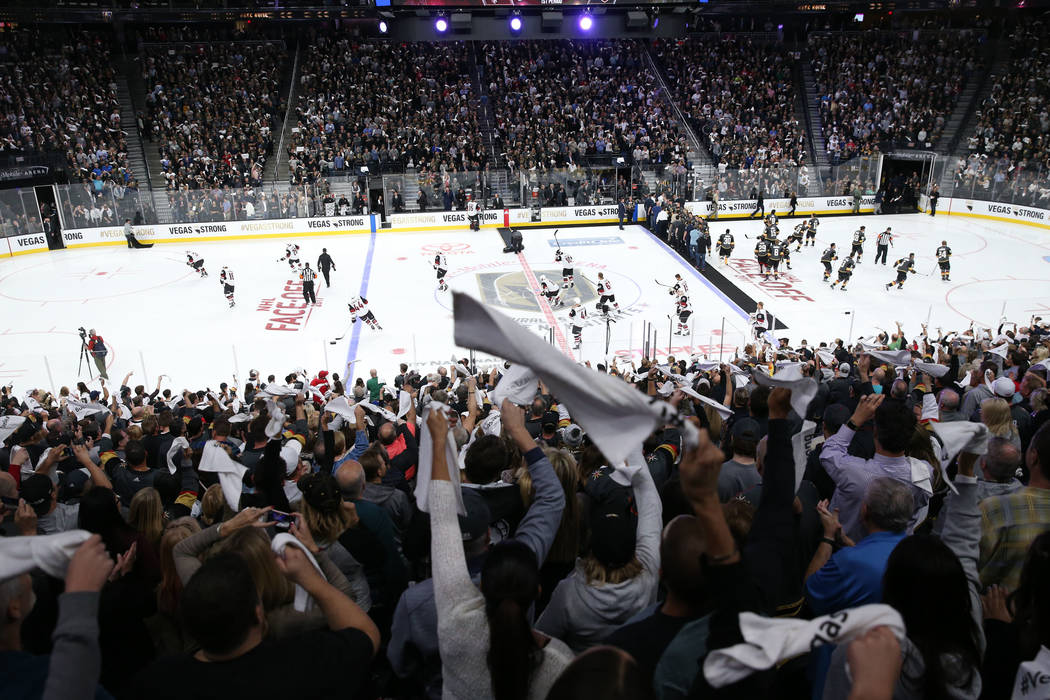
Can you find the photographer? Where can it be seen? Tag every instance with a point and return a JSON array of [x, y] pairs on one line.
[[97, 347]]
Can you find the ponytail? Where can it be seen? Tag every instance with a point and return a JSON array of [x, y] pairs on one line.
[[510, 584], [513, 652]]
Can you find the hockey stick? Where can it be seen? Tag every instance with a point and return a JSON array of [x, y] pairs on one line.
[[333, 342], [662, 284]]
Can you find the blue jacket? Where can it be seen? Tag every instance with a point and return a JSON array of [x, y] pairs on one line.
[[853, 575]]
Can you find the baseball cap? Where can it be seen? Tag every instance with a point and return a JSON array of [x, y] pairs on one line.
[[844, 368], [746, 428], [572, 435], [475, 524], [36, 491], [72, 484], [1004, 387]]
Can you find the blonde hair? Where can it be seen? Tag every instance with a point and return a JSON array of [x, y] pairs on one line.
[[995, 413], [213, 505], [134, 432], [597, 574], [326, 526], [169, 590], [253, 546], [146, 514], [566, 545]]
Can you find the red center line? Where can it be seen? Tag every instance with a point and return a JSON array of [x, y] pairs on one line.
[[548, 313]]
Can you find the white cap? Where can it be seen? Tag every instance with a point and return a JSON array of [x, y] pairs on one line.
[[1003, 387], [844, 368]]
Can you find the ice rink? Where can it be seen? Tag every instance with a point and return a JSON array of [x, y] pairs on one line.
[[159, 317]]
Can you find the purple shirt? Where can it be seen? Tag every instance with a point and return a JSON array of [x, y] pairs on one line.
[[852, 475]]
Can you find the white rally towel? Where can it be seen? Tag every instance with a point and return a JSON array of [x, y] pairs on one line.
[[800, 441], [826, 357], [721, 409], [769, 640], [803, 389], [931, 368], [9, 424], [83, 409], [616, 415], [1000, 350], [1033, 678], [215, 459], [275, 426], [303, 601], [519, 384], [177, 446], [892, 357], [957, 437], [273, 390], [372, 408], [404, 403], [426, 462], [341, 407], [51, 553]]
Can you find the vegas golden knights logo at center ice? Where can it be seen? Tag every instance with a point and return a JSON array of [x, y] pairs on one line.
[[511, 289]]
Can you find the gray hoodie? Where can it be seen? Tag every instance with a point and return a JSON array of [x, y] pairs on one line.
[[581, 614]]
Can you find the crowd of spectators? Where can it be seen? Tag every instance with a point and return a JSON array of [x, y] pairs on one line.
[[300, 536], [384, 105], [557, 102], [740, 97], [212, 108], [1008, 156], [58, 93], [881, 90]]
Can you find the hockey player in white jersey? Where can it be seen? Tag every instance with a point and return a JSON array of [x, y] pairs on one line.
[[440, 266], [291, 254], [759, 321], [567, 273], [577, 315], [606, 295], [226, 278], [196, 262], [680, 287], [473, 214], [359, 307], [684, 310], [551, 292]]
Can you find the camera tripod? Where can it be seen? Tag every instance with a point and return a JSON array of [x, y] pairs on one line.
[[84, 355]]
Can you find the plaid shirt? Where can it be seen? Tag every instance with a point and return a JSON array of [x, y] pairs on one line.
[[1009, 523]]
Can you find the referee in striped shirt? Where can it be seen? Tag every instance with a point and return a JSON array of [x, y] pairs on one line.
[[307, 276]]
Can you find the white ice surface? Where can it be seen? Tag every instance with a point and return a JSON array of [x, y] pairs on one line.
[[159, 317]]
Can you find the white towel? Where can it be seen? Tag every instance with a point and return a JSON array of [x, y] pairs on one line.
[[615, 415], [1000, 350], [240, 417], [892, 357], [769, 640], [931, 368], [721, 409], [404, 403], [83, 409], [426, 462], [803, 389], [1033, 678], [519, 384], [962, 436], [272, 390], [378, 410], [177, 446], [799, 443], [303, 601], [275, 426], [215, 459], [9, 424], [826, 357], [51, 553], [341, 407], [218, 399]]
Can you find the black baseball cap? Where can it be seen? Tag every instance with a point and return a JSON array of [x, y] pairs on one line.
[[36, 491]]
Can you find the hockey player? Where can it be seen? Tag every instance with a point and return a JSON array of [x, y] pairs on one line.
[[859, 236], [307, 275], [291, 254], [904, 266], [440, 265], [725, 246], [606, 293], [882, 245], [577, 315], [226, 278], [811, 230], [680, 287], [684, 311], [776, 254], [845, 272], [772, 219], [759, 321], [796, 236], [567, 277], [551, 292], [473, 214], [825, 259], [944, 254], [762, 255], [785, 251], [196, 262], [359, 307]]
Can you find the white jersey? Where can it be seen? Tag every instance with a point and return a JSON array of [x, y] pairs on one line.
[[604, 288], [472, 208], [192, 257], [292, 251], [439, 262], [358, 305], [759, 318], [577, 316], [680, 288], [226, 276]]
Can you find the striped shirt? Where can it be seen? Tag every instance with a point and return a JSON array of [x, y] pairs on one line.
[[1009, 524], [307, 274]]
